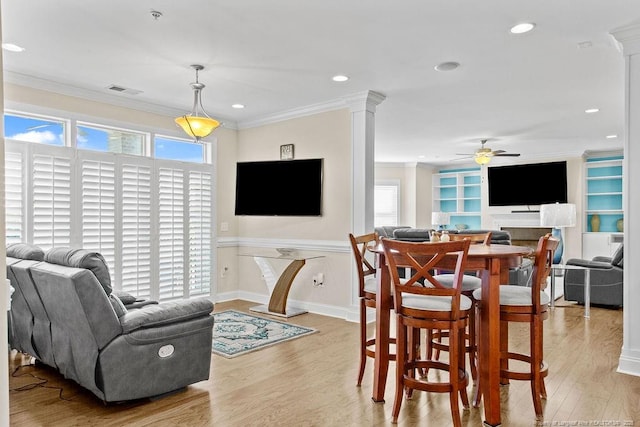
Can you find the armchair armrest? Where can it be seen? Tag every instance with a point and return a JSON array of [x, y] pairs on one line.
[[590, 263], [155, 315], [600, 258]]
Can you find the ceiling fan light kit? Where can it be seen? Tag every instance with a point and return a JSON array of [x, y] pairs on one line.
[[197, 124], [484, 154]]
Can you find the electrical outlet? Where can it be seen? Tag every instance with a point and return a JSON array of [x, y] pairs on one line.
[[224, 271], [318, 280]]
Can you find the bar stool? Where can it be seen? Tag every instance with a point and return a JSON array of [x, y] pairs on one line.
[[422, 302], [367, 294], [528, 305], [469, 285]]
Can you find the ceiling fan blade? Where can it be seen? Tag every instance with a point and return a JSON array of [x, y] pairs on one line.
[[496, 152], [462, 158], [507, 155], [465, 154]]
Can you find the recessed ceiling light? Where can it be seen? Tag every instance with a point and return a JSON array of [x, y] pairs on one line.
[[12, 47], [238, 106], [447, 66], [591, 110], [340, 78], [611, 136], [524, 27]]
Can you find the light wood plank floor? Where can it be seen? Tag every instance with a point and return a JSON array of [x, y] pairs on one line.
[[311, 382]]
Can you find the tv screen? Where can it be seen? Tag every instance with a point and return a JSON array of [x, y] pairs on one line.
[[279, 188], [529, 184]]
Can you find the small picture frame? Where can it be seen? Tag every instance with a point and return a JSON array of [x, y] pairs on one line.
[[286, 152]]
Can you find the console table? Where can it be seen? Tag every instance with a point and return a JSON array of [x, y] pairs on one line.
[[587, 283], [279, 285]]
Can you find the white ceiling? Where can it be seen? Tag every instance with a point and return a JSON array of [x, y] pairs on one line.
[[525, 93]]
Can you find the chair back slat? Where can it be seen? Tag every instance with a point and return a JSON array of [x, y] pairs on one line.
[[360, 246], [543, 260], [423, 259]]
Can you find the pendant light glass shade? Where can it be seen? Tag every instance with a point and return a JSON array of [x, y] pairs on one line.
[[197, 124]]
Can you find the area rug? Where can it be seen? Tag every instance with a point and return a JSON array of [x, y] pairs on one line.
[[236, 333]]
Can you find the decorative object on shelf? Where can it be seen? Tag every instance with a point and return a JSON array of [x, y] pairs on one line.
[[620, 225], [197, 124], [440, 219], [444, 237], [595, 222], [558, 216], [461, 226], [286, 152]]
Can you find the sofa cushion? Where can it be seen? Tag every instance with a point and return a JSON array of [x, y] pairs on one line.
[[616, 259], [81, 258], [25, 251]]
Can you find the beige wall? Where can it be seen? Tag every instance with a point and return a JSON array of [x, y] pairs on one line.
[[326, 135]]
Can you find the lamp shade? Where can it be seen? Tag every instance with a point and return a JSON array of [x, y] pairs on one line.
[[440, 218], [558, 215], [197, 127]]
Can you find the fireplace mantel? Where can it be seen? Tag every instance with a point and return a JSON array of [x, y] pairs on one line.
[[518, 219]]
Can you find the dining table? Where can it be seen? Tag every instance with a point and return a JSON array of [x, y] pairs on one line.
[[493, 262]]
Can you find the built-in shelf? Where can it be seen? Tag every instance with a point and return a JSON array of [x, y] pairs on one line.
[[603, 196], [458, 192]]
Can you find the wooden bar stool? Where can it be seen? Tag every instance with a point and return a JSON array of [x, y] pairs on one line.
[[529, 305], [367, 293], [422, 302], [469, 285]]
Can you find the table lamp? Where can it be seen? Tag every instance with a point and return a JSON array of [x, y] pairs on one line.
[[440, 219], [558, 216]]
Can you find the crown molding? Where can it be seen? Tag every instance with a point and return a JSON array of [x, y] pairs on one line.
[[629, 37], [124, 101]]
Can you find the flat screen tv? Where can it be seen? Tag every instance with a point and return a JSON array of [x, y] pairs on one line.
[[279, 188], [529, 184]]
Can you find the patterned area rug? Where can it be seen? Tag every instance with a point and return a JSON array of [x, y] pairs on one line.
[[236, 333]]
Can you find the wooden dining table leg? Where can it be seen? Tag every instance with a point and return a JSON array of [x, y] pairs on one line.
[[383, 316], [489, 342]]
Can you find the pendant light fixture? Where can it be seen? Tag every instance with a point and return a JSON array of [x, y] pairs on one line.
[[197, 124]]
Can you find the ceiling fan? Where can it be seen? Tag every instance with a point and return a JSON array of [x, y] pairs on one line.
[[484, 154]]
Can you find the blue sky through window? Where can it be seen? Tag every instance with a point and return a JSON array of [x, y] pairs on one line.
[[34, 130], [173, 149]]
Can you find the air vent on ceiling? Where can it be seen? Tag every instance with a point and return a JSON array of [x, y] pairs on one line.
[[122, 89]]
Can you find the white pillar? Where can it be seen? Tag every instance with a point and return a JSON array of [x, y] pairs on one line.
[[363, 110], [629, 38], [4, 300]]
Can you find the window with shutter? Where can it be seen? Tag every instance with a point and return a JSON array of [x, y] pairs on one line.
[[51, 197], [99, 208], [136, 230], [171, 226], [200, 242], [14, 198]]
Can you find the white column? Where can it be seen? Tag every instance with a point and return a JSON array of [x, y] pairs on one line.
[[4, 300], [363, 109], [629, 38]]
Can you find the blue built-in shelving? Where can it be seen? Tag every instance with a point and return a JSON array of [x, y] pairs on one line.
[[603, 193], [458, 192]]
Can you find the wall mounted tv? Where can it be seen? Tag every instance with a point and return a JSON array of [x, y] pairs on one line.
[[279, 188], [529, 184]]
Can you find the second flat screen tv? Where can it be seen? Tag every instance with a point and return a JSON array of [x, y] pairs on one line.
[[528, 184], [279, 188]]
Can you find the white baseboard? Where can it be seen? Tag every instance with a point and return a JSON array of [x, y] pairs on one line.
[[349, 314]]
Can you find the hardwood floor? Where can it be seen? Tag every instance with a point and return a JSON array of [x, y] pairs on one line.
[[311, 382]]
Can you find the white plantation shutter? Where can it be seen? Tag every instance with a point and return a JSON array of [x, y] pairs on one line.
[[200, 244], [151, 219], [14, 198], [51, 200], [99, 209], [135, 274], [171, 228]]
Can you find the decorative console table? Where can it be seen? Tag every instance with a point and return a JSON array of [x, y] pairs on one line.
[[279, 285]]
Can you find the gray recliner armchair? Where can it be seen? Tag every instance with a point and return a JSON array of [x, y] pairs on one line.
[[89, 335], [606, 279]]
